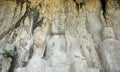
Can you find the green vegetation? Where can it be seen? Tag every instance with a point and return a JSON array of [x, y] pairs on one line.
[[8, 54]]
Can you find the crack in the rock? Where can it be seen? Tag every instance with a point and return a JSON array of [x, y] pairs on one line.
[[79, 3], [12, 66], [45, 52], [14, 26], [21, 2], [21, 19], [36, 22], [2, 35], [103, 3]]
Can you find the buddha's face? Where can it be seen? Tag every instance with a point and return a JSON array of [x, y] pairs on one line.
[[57, 27]]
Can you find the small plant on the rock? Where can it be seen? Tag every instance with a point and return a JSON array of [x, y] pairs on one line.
[[8, 54]]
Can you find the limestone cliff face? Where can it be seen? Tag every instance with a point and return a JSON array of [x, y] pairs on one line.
[[59, 35]]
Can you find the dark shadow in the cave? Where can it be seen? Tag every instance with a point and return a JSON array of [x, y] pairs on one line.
[[103, 3]]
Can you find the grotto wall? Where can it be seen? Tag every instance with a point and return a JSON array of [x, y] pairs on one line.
[[59, 35]]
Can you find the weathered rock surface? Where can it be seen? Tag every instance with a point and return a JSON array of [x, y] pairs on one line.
[[6, 61], [110, 55], [59, 35], [109, 50]]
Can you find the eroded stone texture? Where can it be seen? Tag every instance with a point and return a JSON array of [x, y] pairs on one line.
[[60, 35], [79, 66], [109, 50], [5, 61], [113, 12]]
